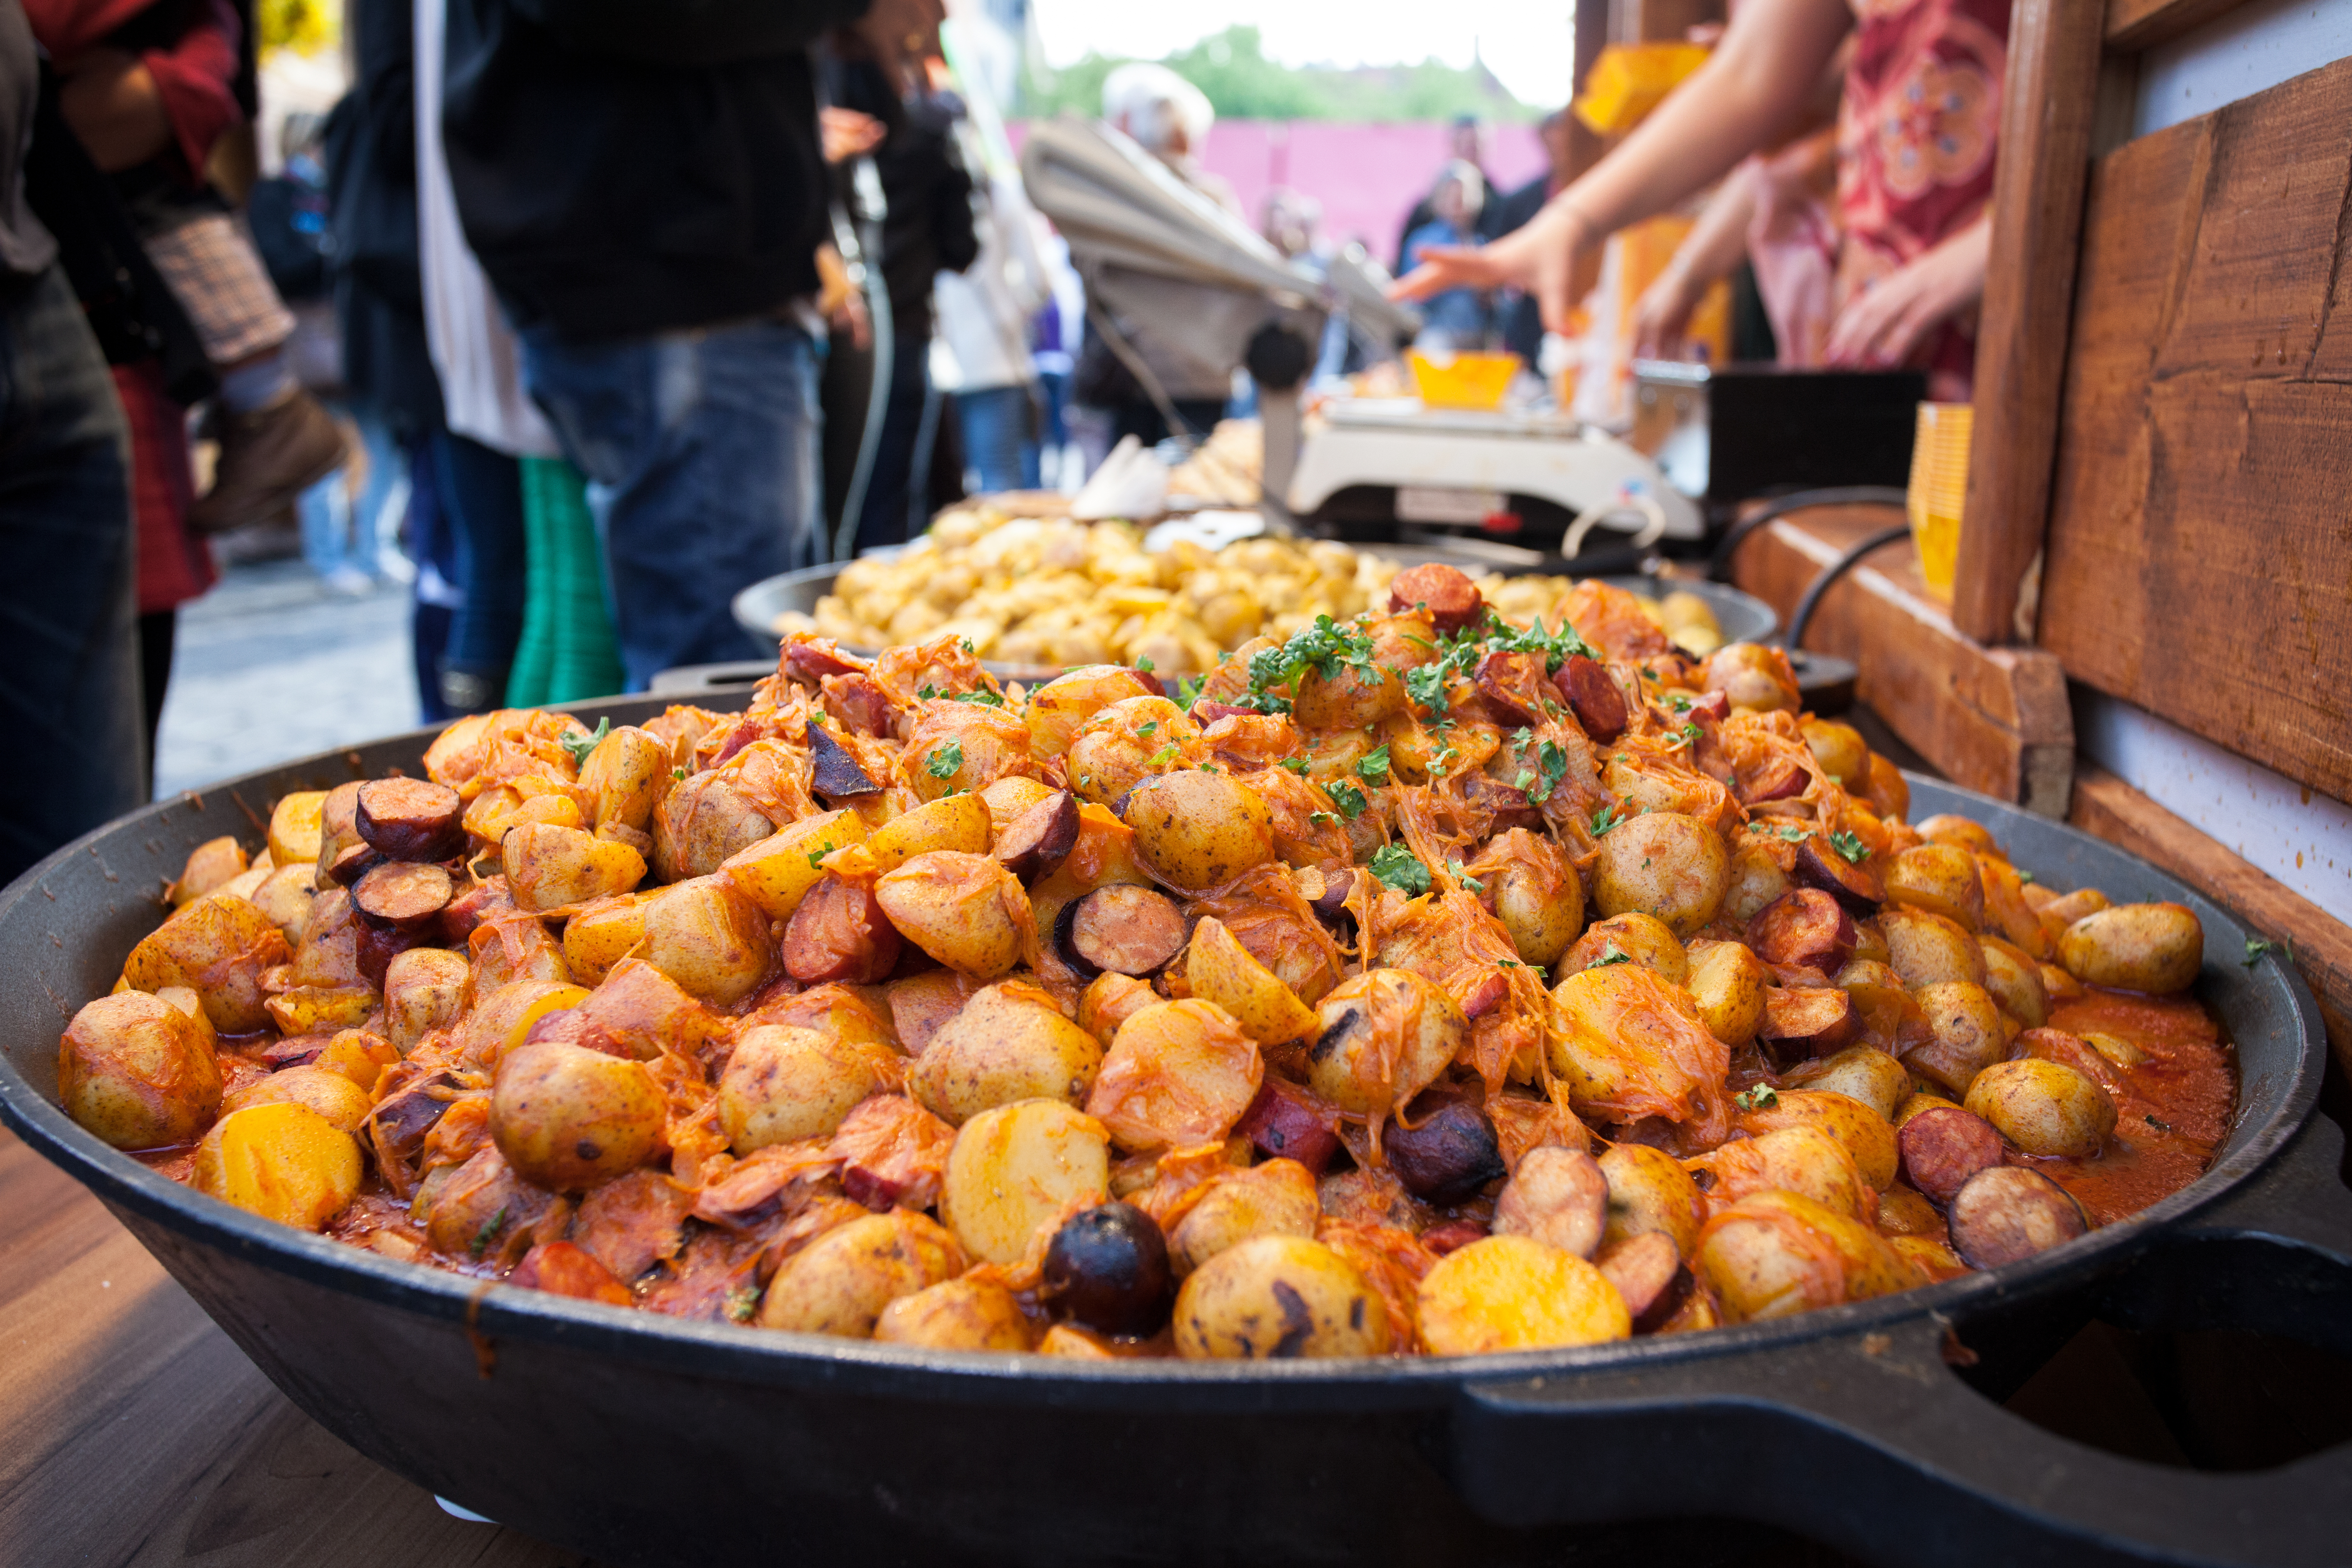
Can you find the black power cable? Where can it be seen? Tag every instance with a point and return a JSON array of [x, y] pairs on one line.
[[1719, 564], [1803, 619]]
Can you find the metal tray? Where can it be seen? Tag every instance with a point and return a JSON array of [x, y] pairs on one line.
[[640, 1439]]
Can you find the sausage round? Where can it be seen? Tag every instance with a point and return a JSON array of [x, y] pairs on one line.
[[411, 819], [1944, 1146], [1452, 601], [1123, 929], [2009, 1213]]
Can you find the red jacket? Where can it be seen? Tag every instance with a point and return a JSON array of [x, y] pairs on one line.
[[192, 74]]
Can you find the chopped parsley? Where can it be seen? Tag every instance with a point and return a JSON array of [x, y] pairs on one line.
[[1399, 869], [1515, 963], [740, 1301], [1143, 662], [1163, 756], [2257, 949], [1374, 767], [1319, 818], [983, 696], [1349, 799], [1604, 819], [1295, 765], [1426, 685], [1465, 877], [1147, 727], [1851, 846], [677, 773], [2025, 876], [1323, 647], [1763, 1096], [1690, 733], [581, 746], [1614, 954], [1680, 702], [1557, 648], [486, 1235], [1188, 689], [967, 644], [1789, 835], [817, 856], [944, 760]]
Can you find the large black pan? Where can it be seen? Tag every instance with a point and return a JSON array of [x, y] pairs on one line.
[[644, 1440]]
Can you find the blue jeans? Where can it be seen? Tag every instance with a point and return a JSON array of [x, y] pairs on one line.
[[479, 493], [69, 695], [701, 453], [997, 440], [339, 532]]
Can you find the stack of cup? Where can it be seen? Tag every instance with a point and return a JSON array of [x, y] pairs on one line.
[[1939, 483]]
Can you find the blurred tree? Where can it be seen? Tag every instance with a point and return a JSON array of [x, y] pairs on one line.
[[1231, 66]]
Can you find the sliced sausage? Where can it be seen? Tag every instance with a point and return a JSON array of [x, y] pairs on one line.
[[2009, 1213], [1126, 929], [1593, 695], [1557, 1195], [1648, 1272], [1514, 687], [1034, 842], [1818, 866], [378, 945], [1943, 1146], [1284, 1122], [353, 861], [1452, 601], [840, 932], [837, 773], [1775, 778], [1448, 1157], [411, 819], [1453, 1235], [1808, 1021], [1806, 929], [404, 893], [402, 1118]]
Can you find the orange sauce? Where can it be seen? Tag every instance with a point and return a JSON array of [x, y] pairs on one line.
[[2172, 1110]]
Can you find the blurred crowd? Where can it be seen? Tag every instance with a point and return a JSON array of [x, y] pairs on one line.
[[577, 319]]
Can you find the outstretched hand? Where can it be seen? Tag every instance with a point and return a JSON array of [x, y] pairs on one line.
[[1538, 259], [1884, 326]]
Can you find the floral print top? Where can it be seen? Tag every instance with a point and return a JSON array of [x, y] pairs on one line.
[[1917, 128]]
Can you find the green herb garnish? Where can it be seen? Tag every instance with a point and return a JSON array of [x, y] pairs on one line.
[[1399, 869], [1163, 756], [1465, 877], [1295, 765], [486, 1235], [1614, 954], [1763, 1096], [1188, 689], [1147, 727], [944, 760], [817, 856], [1374, 767], [1350, 800], [677, 773], [741, 1302], [2257, 949], [1604, 819], [1851, 846], [1426, 685], [586, 744], [983, 697], [1143, 662]]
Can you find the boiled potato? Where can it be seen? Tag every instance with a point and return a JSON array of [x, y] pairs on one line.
[[502, 1019], [209, 865], [424, 990], [551, 868], [512, 951], [1514, 1293], [1801, 1158], [283, 1162], [2014, 981], [1775, 1253], [295, 826], [842, 1282], [1914, 1104], [958, 822], [1664, 864], [1110, 1001], [1386, 1035], [1627, 1044], [340, 1103], [702, 820], [359, 1056], [1968, 1035], [1961, 833], [218, 947], [1127, 743], [1008, 1043], [320, 1009], [1277, 1198], [956, 1315], [777, 872], [1196, 831], [2155, 948], [1928, 948], [1755, 679], [625, 777], [1643, 939], [2043, 1106], [1058, 709], [1178, 1074], [138, 1072], [784, 1084], [1941, 879], [601, 935], [1867, 1136], [964, 910], [1727, 981], [1754, 882], [1219, 970], [1355, 697], [1011, 795], [1859, 1072], [286, 896], [1650, 1191], [568, 1118], [1278, 1298], [710, 938], [1017, 1168], [1535, 893], [1841, 751]]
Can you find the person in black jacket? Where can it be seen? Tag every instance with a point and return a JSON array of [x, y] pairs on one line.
[[644, 188]]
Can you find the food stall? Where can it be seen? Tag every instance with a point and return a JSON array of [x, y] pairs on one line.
[[1190, 1049]]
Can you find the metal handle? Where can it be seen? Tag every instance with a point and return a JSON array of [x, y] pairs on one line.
[[1871, 1442]]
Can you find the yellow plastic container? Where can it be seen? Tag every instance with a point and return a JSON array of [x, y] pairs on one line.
[[1628, 80], [1468, 380], [1939, 487]]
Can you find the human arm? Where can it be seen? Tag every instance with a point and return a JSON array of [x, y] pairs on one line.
[[1882, 326], [1716, 245], [1747, 92]]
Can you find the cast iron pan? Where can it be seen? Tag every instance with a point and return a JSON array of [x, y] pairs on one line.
[[644, 1440]]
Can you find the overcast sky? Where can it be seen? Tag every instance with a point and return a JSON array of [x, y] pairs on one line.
[[1529, 44]]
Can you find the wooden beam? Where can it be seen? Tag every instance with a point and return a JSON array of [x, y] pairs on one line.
[[2136, 25], [1992, 718], [2109, 809], [2048, 100]]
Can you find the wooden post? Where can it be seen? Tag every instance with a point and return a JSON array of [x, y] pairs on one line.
[[2047, 104]]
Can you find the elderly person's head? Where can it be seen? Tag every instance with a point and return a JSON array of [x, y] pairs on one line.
[[1291, 218], [1164, 113], [1459, 194]]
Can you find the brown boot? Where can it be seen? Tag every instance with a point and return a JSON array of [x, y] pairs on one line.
[[268, 458]]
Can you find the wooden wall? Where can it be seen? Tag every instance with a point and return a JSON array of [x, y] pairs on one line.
[[2200, 541]]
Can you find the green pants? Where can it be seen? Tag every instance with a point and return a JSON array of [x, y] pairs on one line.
[[567, 651]]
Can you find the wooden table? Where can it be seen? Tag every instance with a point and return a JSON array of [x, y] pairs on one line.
[[132, 1432]]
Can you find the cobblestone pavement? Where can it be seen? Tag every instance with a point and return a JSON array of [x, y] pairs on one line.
[[270, 666]]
